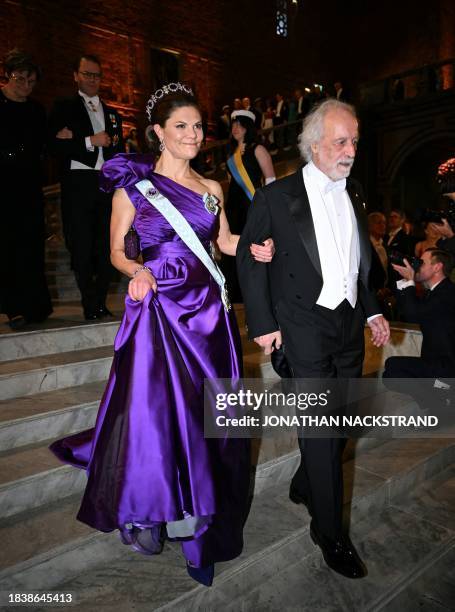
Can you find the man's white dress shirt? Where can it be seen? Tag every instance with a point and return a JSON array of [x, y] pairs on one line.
[[337, 237], [96, 114]]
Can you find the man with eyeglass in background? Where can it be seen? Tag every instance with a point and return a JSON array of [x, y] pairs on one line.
[[425, 377], [84, 133]]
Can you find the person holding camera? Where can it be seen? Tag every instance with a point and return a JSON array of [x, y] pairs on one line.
[[435, 313]]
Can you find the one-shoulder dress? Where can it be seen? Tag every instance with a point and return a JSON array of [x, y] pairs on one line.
[[147, 460]]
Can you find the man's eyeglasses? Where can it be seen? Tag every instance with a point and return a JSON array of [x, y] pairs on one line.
[[90, 75], [23, 80]]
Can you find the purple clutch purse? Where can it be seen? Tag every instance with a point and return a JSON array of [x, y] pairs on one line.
[[132, 244]]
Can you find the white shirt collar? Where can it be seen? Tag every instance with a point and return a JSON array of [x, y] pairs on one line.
[[376, 241], [436, 284], [324, 182], [395, 232], [94, 99]]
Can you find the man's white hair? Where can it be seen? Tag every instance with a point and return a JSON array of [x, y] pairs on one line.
[[313, 124]]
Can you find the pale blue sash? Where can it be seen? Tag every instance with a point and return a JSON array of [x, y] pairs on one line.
[[186, 233]]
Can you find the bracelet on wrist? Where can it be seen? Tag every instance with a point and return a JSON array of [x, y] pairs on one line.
[[141, 269]]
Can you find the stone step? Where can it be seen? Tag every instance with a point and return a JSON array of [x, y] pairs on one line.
[[60, 253], [53, 260], [32, 476], [66, 280], [58, 371], [56, 265], [71, 293], [52, 539], [291, 575], [73, 337], [73, 544], [35, 418], [28, 471], [61, 279], [431, 584], [278, 554], [64, 294], [395, 543], [55, 251]]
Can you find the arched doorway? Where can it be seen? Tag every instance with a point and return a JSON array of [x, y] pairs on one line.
[[413, 186]]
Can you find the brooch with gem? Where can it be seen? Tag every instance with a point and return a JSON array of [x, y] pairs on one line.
[[151, 193], [211, 204]]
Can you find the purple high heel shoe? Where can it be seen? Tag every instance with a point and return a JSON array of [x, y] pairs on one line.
[[146, 540]]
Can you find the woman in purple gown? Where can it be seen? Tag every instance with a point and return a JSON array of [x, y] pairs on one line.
[[151, 472]]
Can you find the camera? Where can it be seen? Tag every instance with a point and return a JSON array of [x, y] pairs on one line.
[[398, 258], [436, 216]]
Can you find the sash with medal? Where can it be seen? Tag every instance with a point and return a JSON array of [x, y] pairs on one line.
[[186, 233]]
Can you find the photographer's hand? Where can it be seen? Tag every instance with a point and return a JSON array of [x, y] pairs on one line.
[[406, 271], [443, 229]]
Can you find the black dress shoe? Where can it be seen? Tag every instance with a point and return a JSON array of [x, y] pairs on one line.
[[103, 312], [17, 323], [340, 555]]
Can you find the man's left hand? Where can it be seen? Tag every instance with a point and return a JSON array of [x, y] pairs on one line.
[[406, 271], [380, 331], [265, 252]]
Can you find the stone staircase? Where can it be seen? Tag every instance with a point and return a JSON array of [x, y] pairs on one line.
[[51, 379], [60, 278], [400, 494]]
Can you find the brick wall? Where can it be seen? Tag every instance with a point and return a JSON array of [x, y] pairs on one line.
[[227, 48]]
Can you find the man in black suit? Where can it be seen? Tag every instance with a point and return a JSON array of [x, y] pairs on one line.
[[84, 133], [315, 297], [246, 103], [302, 102], [223, 128], [280, 117], [380, 264], [435, 313], [397, 239]]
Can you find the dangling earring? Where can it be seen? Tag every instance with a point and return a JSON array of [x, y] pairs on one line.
[[162, 146]]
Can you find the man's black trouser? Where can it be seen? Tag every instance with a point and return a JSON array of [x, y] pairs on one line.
[[86, 215], [320, 344]]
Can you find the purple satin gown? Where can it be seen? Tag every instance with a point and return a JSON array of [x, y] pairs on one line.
[[147, 460]]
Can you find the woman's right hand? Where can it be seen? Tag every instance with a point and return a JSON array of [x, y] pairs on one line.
[[141, 284]]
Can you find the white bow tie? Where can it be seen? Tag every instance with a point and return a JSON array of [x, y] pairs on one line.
[[93, 103], [335, 186]]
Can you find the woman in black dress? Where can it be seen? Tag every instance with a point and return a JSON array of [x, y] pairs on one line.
[[250, 166], [24, 295]]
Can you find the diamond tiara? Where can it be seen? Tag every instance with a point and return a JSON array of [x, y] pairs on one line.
[[165, 90]]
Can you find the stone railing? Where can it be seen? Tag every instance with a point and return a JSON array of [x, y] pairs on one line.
[[427, 80]]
